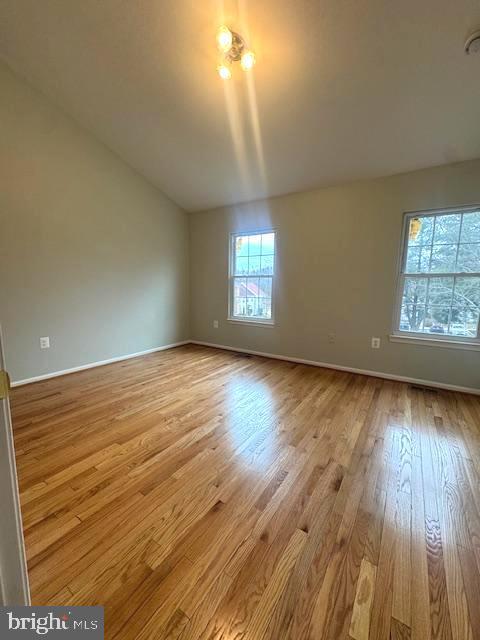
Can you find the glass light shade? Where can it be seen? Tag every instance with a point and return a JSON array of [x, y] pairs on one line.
[[224, 72], [248, 60], [224, 39]]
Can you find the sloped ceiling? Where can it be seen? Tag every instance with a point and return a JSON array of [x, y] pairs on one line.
[[343, 89]]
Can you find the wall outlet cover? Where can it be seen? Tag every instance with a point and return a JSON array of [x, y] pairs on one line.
[[45, 343], [215, 324], [375, 343]]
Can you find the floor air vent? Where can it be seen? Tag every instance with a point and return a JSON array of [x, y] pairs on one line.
[[419, 387]]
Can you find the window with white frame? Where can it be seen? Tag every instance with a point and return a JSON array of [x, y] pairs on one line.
[[252, 272], [439, 287]]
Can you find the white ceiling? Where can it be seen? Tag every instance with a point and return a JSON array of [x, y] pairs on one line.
[[343, 89]]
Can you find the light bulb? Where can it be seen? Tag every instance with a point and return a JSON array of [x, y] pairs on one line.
[[224, 72], [224, 39], [248, 60]]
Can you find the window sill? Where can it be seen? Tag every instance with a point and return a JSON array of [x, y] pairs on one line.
[[254, 323], [436, 342]]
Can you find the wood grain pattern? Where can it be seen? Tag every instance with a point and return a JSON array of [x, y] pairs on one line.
[[360, 622], [202, 495]]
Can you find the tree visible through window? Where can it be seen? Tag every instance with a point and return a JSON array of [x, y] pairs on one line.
[[252, 268], [440, 276]]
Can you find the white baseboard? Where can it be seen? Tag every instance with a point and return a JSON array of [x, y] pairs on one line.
[[328, 365], [314, 363], [100, 363]]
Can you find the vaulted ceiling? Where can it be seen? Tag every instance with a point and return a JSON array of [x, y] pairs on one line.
[[342, 89]]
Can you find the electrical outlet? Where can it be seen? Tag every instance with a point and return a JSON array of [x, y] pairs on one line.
[[215, 324], [331, 338], [45, 343], [375, 343]]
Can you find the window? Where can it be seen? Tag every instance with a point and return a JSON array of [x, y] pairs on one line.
[[252, 272], [439, 288]]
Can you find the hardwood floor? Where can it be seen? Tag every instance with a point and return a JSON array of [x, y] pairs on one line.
[[199, 494]]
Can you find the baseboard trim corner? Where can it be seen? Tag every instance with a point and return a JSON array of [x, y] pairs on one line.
[[100, 363], [328, 365]]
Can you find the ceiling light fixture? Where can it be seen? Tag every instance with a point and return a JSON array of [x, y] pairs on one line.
[[233, 49], [472, 45]]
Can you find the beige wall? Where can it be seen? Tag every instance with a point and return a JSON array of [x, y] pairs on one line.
[[337, 259], [96, 258], [91, 255]]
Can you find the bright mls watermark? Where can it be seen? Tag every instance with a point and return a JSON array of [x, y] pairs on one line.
[[56, 622]]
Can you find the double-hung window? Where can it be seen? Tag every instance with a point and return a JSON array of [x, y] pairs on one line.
[[439, 281], [252, 273]]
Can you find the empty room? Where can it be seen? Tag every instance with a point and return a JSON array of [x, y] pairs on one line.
[[240, 319]]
